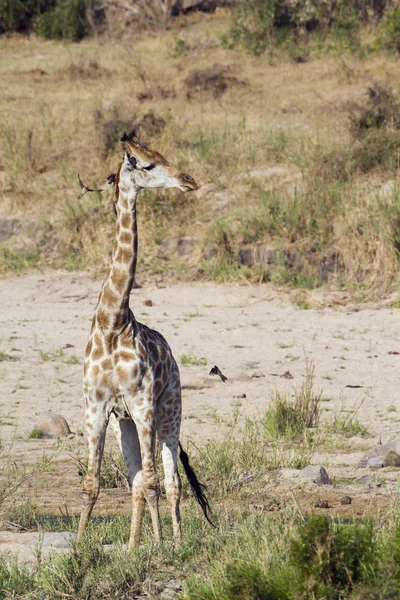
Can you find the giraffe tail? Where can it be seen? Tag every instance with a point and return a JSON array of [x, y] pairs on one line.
[[197, 487]]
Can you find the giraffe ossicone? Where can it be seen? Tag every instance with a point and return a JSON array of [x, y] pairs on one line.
[[131, 379]]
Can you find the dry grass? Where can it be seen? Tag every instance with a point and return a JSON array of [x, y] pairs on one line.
[[252, 148]]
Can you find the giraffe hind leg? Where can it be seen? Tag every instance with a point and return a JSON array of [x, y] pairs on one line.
[[168, 427]]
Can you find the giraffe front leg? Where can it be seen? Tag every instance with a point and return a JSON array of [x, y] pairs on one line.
[[96, 425], [147, 479]]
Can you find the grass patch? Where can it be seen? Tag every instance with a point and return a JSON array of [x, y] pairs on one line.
[[191, 359], [35, 434], [347, 425], [292, 419]]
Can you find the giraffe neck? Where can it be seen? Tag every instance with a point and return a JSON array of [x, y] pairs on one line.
[[113, 313]]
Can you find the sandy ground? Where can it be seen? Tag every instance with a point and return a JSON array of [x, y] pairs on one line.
[[252, 333]]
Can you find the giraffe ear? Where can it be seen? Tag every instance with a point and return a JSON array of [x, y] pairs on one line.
[[125, 138]]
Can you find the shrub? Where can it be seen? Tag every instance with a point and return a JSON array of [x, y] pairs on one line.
[[65, 20], [390, 30], [18, 15], [291, 419], [331, 558], [261, 24]]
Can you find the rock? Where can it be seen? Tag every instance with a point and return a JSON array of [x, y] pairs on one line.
[[148, 302], [322, 504], [376, 462], [317, 474], [246, 257], [345, 500], [186, 246], [53, 426], [383, 455], [313, 474], [59, 540], [8, 227]]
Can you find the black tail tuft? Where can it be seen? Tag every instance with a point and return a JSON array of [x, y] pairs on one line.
[[197, 487]]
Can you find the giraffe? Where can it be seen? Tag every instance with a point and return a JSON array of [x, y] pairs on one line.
[[131, 378]]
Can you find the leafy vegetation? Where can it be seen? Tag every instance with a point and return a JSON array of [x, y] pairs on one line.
[[53, 19]]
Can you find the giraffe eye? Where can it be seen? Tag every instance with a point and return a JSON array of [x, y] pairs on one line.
[[149, 167]]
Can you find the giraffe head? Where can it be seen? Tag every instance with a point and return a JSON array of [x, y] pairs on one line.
[[145, 168]]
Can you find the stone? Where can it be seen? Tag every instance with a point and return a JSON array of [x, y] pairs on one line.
[[8, 227], [59, 540], [53, 426], [316, 473], [345, 500], [186, 246], [246, 257], [376, 462], [388, 454]]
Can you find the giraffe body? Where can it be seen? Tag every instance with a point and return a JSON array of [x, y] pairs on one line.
[[131, 378]]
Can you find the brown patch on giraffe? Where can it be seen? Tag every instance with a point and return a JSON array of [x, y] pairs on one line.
[[95, 372], [134, 372], [124, 355], [89, 425], [148, 416], [106, 380], [119, 279], [100, 395], [122, 373], [94, 440], [98, 339], [141, 351], [103, 319], [97, 353], [145, 432], [124, 255], [126, 220], [106, 364], [89, 347], [125, 238], [93, 408], [132, 389], [109, 297], [118, 228]]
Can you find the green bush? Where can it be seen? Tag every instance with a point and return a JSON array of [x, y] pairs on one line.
[[332, 558], [261, 24], [390, 30], [18, 15], [66, 20], [54, 19]]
